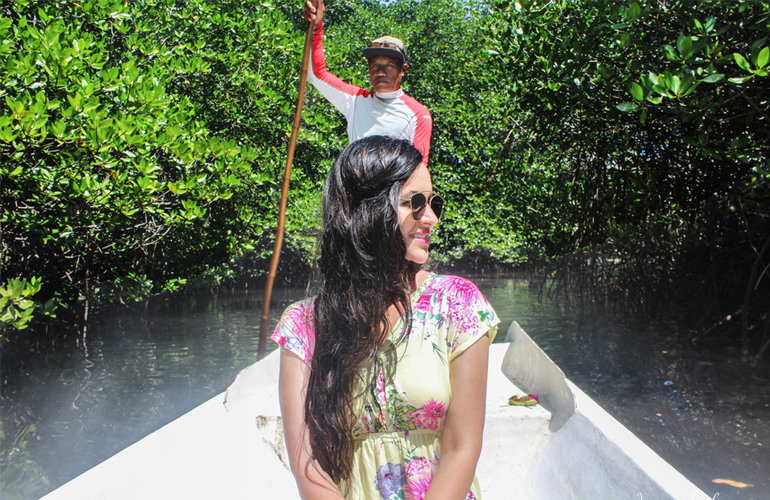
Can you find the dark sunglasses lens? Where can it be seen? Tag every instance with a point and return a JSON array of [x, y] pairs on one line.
[[437, 205], [419, 202]]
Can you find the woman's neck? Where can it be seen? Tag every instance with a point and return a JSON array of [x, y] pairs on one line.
[[417, 280], [393, 314]]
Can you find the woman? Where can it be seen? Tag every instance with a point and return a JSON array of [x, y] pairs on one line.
[[370, 365]]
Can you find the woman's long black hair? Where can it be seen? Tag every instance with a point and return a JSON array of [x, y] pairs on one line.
[[364, 271]]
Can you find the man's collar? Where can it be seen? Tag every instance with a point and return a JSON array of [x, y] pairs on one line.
[[390, 95]]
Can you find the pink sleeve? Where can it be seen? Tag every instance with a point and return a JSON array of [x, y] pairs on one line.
[[319, 72], [470, 315], [296, 330]]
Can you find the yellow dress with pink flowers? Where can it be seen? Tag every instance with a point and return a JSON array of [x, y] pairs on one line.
[[401, 413]]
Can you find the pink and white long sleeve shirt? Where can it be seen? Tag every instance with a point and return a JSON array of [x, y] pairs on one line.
[[393, 114]]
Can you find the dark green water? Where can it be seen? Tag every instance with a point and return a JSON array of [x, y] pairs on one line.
[[66, 407]]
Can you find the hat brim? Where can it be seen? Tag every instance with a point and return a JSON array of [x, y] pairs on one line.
[[370, 52]]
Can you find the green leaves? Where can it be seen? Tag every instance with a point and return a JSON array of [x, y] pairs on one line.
[[141, 143], [17, 305], [633, 12], [714, 78], [684, 46], [668, 124], [627, 107], [121, 141], [762, 57], [741, 62]]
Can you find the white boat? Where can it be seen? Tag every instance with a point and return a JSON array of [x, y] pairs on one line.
[[231, 447]]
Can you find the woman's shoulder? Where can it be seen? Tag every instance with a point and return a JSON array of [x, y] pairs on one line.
[[448, 278], [467, 309], [452, 290], [296, 329], [299, 315], [449, 283], [300, 308]]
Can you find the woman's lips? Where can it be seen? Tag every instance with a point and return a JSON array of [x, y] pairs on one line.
[[421, 237]]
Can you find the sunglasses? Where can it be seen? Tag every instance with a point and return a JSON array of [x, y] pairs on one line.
[[418, 202], [387, 45]]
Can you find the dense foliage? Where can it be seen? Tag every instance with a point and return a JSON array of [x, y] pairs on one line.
[[652, 118], [139, 143], [624, 143]]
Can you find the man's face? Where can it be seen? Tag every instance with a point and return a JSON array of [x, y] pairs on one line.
[[386, 73]]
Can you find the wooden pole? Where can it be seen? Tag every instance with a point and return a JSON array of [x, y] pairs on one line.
[[284, 194]]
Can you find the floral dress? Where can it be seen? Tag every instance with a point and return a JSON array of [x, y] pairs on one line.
[[401, 412]]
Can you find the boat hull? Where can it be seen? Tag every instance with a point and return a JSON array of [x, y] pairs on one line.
[[232, 447]]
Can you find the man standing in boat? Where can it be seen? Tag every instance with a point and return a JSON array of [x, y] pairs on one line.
[[385, 111]]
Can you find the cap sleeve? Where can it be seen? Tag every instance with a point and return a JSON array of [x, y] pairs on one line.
[[296, 330], [470, 315]]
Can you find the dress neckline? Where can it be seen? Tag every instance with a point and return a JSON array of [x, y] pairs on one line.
[[414, 297], [422, 286]]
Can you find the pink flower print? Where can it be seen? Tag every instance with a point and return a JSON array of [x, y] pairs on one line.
[[429, 414], [296, 332], [419, 473], [463, 291], [423, 303], [367, 424], [464, 303], [382, 398]]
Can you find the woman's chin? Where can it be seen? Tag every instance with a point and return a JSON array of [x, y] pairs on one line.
[[417, 257]]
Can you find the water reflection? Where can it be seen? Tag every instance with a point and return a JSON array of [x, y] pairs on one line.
[[704, 411]]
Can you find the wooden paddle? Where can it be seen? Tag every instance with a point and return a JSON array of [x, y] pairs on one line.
[[527, 366], [284, 192]]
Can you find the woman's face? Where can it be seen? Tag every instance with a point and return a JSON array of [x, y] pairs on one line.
[[416, 233]]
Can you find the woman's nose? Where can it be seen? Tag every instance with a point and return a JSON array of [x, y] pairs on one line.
[[429, 216]]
